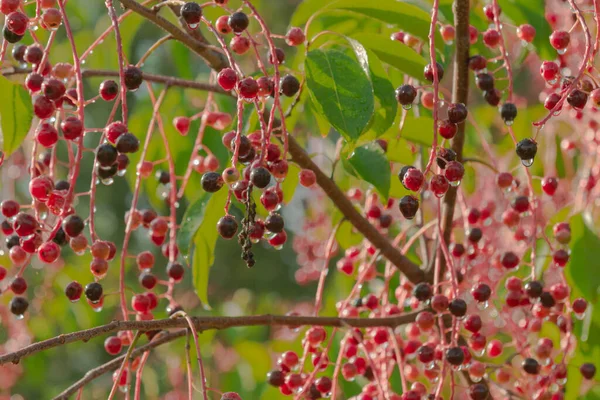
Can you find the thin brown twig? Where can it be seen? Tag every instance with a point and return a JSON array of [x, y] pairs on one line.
[[202, 324]]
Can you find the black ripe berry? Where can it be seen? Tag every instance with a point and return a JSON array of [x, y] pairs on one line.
[[18, 53], [478, 391], [423, 291], [73, 225], [534, 289], [492, 97], [12, 241], [127, 143], [458, 308], [428, 72], [18, 305], [276, 378], [409, 205], [474, 235], [227, 227], [62, 185], [508, 112], [107, 172], [10, 36], [60, 238], [133, 77], [481, 292], [403, 172], [444, 156], [73, 291], [245, 146], [577, 98], [274, 223], [93, 292], [191, 12], [588, 370], [457, 113], [455, 355], [289, 85], [106, 154], [260, 177], [485, 82], [526, 150], [175, 271], [406, 94], [238, 21], [531, 366], [546, 300], [163, 177], [212, 182]]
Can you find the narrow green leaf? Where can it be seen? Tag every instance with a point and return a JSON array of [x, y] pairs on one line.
[[192, 219], [370, 164], [340, 91], [581, 271], [205, 239], [417, 130], [394, 53], [16, 114], [290, 183]]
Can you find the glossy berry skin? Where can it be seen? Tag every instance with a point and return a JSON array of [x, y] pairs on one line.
[[227, 78], [127, 143], [175, 271], [106, 155], [276, 378], [114, 130], [73, 225], [43, 107], [481, 292], [455, 356], [18, 285], [73, 291], [274, 223], [531, 366], [307, 177], [428, 72], [549, 185], [406, 94], [33, 54], [191, 12], [447, 129], [445, 155], [413, 179], [17, 23], [577, 99], [457, 113], [560, 40], [477, 62], [423, 291], [72, 128], [8, 6], [478, 391], [109, 90], [520, 204], [508, 112], [409, 205], [239, 44], [492, 97], [454, 171], [491, 38], [46, 135], [133, 77], [227, 227], [439, 185], [222, 26], [534, 289], [549, 70], [18, 305], [25, 224], [526, 33], [238, 21], [588, 370], [526, 149], [113, 345], [260, 177], [484, 81], [48, 252], [93, 292], [34, 82], [295, 36], [248, 88], [289, 85], [509, 260]]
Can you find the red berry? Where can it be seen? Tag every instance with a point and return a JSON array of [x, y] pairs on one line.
[[473, 323], [113, 345], [549, 70], [439, 185], [72, 128], [43, 107], [34, 82], [579, 306], [8, 6], [526, 33], [560, 40], [53, 89], [551, 101], [46, 134], [227, 78], [114, 130], [239, 44], [454, 171], [494, 348], [17, 23], [140, 303], [109, 90], [73, 291], [481, 292], [295, 37], [491, 38], [549, 185], [413, 179], [25, 224], [18, 285], [248, 88], [222, 26], [49, 252]]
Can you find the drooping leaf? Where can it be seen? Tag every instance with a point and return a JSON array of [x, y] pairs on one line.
[[340, 91], [386, 105], [370, 164], [192, 219], [290, 183], [16, 114], [409, 17], [394, 53], [417, 130], [205, 239]]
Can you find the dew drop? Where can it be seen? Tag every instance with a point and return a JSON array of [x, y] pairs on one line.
[[455, 183], [509, 122], [107, 181], [475, 378], [124, 388], [580, 316], [192, 26], [122, 172], [20, 316], [449, 42], [279, 247], [561, 51], [528, 162], [407, 106], [483, 305]]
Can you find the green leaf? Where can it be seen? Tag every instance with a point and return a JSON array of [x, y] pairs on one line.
[[386, 106], [205, 240], [409, 17], [417, 130], [394, 53], [257, 355], [192, 219], [340, 90], [581, 271], [290, 183], [370, 164], [16, 114]]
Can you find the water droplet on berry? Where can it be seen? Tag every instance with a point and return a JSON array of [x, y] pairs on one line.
[[43, 215], [107, 181], [509, 122], [580, 316], [407, 106], [123, 388], [20, 316], [527, 163], [483, 305], [455, 183], [561, 51], [193, 26], [476, 378]]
